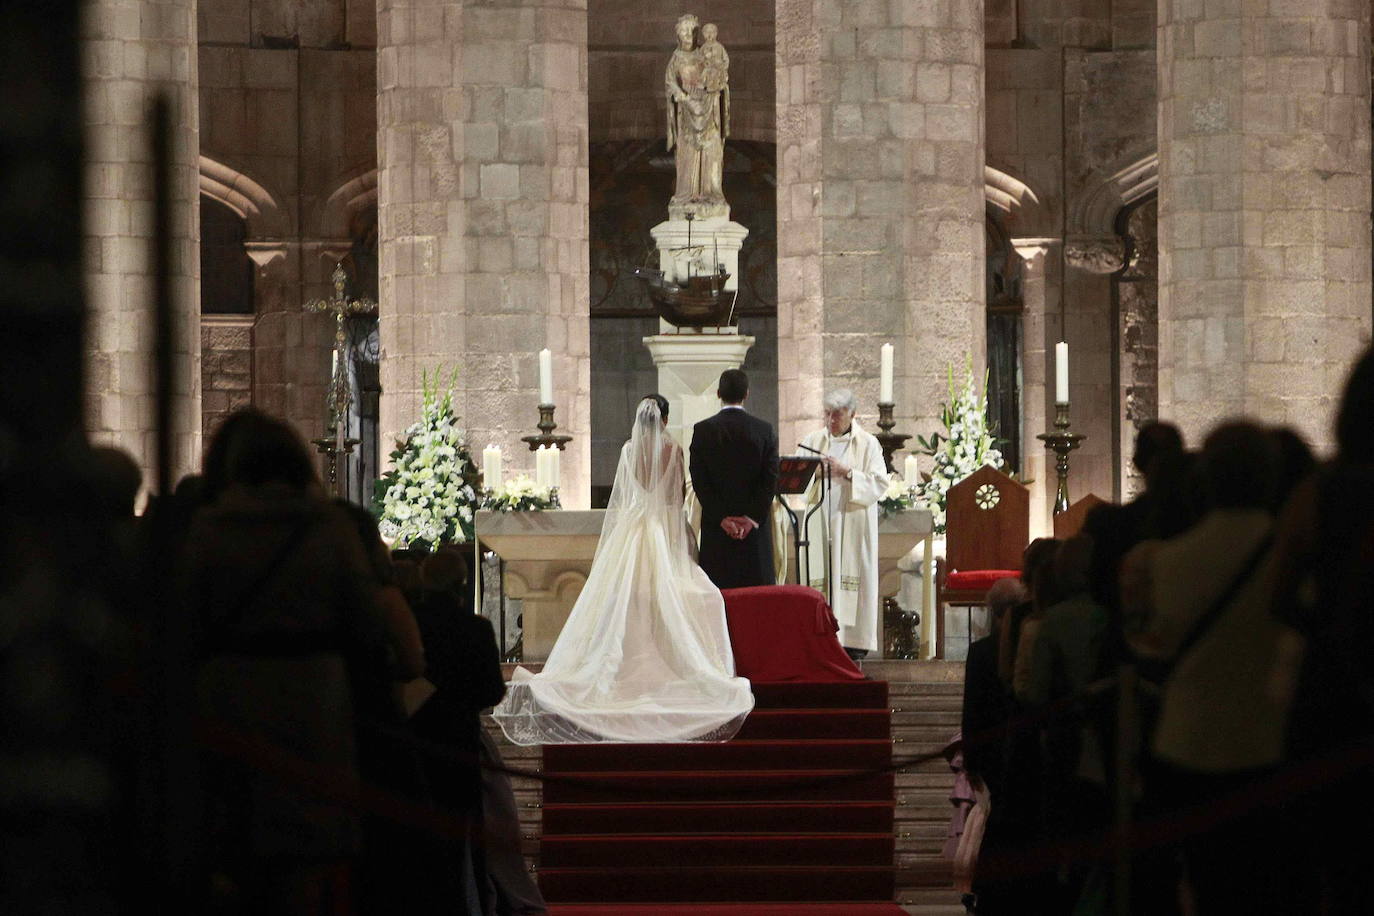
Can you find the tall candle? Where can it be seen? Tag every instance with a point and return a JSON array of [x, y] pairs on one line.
[[491, 466], [554, 456], [885, 383], [545, 376], [1061, 373], [911, 471]]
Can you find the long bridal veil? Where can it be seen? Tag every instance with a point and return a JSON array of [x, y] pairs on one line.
[[645, 655]]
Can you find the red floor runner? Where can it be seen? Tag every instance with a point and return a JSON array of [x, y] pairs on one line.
[[847, 908], [799, 808]]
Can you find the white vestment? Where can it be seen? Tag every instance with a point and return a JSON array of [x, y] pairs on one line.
[[645, 655], [849, 523]]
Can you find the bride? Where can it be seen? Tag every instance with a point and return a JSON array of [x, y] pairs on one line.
[[645, 655]]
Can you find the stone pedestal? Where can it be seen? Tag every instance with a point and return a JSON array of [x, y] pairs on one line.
[[547, 557], [689, 367]]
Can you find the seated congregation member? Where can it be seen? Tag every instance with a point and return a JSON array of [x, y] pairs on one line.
[[1325, 558], [846, 530], [292, 654], [1206, 598]]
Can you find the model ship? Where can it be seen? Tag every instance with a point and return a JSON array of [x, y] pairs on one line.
[[700, 299]]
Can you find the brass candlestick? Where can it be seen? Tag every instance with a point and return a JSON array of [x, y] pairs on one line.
[[335, 447], [889, 440], [546, 427], [1062, 442]]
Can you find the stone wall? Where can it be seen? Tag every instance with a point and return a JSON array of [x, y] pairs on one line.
[[288, 104], [880, 202], [226, 368], [482, 208], [131, 53], [1264, 226]]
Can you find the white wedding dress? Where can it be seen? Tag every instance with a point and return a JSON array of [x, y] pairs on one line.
[[645, 655]]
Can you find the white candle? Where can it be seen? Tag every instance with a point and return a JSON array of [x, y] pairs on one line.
[[491, 466], [541, 466], [545, 376], [911, 471], [1061, 373], [885, 381], [554, 456]]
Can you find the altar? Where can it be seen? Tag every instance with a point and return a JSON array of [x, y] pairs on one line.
[[547, 556]]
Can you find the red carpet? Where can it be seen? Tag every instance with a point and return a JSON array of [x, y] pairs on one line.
[[788, 819], [727, 909]]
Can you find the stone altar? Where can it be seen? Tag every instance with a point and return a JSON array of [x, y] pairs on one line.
[[548, 555]]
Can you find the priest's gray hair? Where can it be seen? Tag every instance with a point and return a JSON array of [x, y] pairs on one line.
[[840, 399]]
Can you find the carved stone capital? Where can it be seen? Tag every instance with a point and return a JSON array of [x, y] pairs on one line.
[[263, 253], [1096, 254], [1033, 250]]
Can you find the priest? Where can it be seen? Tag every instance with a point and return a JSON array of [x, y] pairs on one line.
[[848, 525]]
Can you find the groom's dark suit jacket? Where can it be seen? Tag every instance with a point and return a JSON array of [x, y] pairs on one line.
[[734, 469]]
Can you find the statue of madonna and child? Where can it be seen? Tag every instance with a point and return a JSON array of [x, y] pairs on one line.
[[697, 83]]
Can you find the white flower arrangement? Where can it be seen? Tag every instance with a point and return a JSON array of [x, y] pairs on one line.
[[520, 494], [423, 501], [966, 445], [897, 498]]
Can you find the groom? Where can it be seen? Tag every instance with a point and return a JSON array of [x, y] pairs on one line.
[[734, 470]]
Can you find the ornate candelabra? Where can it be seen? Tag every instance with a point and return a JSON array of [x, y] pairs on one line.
[[1062, 442], [336, 444], [889, 440], [546, 427]]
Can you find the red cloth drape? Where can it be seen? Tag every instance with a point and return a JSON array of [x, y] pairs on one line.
[[785, 633]]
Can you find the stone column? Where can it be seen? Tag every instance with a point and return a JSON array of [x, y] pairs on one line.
[[1264, 196], [482, 212], [1037, 412], [132, 50], [880, 202]]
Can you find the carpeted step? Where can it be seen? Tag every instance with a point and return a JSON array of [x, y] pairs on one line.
[[732, 755], [843, 908], [725, 785], [823, 850], [713, 884], [820, 695], [776, 817], [766, 724]]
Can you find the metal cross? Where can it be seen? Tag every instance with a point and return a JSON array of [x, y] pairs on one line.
[[336, 445]]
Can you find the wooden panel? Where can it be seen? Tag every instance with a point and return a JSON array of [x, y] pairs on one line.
[[1069, 522], [987, 521]]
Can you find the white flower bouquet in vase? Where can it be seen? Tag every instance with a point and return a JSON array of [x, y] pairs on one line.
[[519, 494], [427, 498], [966, 444]]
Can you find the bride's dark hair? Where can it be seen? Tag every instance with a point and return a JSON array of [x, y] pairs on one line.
[[662, 403]]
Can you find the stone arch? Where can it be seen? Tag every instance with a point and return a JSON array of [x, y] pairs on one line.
[[1127, 182], [1022, 212], [353, 196], [251, 201]]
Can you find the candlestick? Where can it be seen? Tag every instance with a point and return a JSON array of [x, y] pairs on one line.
[[1062, 442], [545, 376], [491, 466], [885, 376], [889, 440], [1061, 372], [546, 428]]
